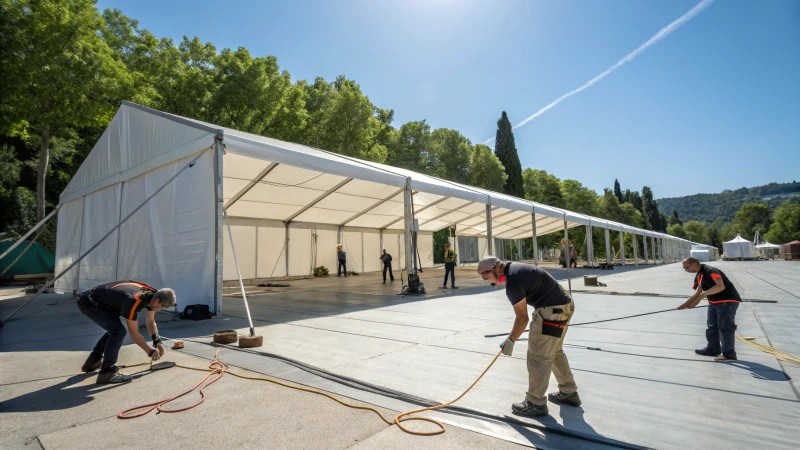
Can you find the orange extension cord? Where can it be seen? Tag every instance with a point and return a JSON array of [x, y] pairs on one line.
[[217, 369]]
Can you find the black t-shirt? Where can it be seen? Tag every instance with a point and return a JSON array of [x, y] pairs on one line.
[[707, 277], [538, 287], [121, 297]]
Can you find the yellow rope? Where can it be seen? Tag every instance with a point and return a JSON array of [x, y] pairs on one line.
[[397, 420], [783, 356]]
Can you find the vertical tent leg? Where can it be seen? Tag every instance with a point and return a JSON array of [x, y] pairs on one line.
[[456, 246], [646, 255], [408, 220], [239, 274], [566, 256], [219, 211], [609, 256], [489, 238], [622, 247], [589, 245], [535, 241], [635, 241], [286, 246]]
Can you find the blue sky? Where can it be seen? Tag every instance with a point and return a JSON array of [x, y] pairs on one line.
[[715, 105]]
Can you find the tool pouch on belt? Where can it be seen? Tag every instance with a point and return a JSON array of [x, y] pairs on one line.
[[554, 328]]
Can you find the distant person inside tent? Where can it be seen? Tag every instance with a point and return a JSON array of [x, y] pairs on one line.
[[527, 285], [342, 257], [104, 305], [723, 301], [387, 265], [449, 265]]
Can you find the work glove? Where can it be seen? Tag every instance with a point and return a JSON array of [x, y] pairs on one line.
[[507, 346]]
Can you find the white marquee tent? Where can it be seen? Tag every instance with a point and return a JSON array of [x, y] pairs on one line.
[[289, 205], [737, 248]]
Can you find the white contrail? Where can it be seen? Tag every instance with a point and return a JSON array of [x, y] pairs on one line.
[[664, 32]]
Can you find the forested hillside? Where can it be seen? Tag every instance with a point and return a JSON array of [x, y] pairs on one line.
[[723, 206]]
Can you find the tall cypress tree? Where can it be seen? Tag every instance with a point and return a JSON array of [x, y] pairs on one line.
[[506, 152], [618, 191]]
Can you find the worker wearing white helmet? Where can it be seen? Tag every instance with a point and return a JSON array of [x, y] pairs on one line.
[[528, 285]]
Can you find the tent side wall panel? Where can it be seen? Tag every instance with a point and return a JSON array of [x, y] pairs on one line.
[[70, 220], [244, 236], [100, 215], [170, 241], [372, 250], [352, 244], [299, 251], [327, 237], [271, 254], [425, 248]]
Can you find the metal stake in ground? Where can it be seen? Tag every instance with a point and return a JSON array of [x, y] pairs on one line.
[[252, 340]]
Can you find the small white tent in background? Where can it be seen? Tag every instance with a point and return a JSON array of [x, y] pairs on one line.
[[767, 250], [738, 248], [712, 253]]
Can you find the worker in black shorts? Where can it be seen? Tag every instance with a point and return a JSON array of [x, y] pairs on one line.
[[104, 305], [528, 285]]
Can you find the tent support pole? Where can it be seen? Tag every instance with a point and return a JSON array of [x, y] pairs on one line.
[[408, 220], [535, 240], [566, 256], [239, 274], [644, 245], [119, 234], [489, 243], [286, 245], [80, 258], [635, 241], [219, 210], [31, 231], [609, 256], [622, 248]]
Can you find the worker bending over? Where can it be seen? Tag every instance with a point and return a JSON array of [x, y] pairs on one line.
[[723, 301], [104, 305], [529, 285], [449, 265]]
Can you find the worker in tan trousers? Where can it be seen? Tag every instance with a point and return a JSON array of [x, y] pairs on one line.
[[529, 285]]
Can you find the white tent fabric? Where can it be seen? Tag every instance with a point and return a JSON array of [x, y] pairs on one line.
[[713, 252], [701, 255], [289, 205], [737, 248]]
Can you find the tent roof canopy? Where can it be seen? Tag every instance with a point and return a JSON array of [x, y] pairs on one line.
[[264, 178]]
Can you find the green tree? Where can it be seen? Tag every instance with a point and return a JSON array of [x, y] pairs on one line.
[[676, 230], [636, 200], [578, 198], [650, 208], [630, 215], [449, 155], [609, 207], [727, 232], [412, 146], [786, 225], [696, 232], [57, 73], [673, 219], [542, 187], [618, 191], [752, 217], [506, 151], [485, 169], [713, 235], [663, 222]]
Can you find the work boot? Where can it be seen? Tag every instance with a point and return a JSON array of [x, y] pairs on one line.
[[528, 409], [113, 376], [706, 352], [91, 365], [567, 399], [724, 358]]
